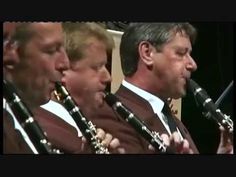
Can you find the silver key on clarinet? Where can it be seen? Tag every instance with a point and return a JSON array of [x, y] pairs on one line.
[[85, 126]]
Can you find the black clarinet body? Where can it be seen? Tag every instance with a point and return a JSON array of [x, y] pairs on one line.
[[26, 120], [151, 136], [86, 127], [202, 97]]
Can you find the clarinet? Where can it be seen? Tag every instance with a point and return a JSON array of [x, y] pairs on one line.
[[85, 126], [152, 137], [202, 97], [28, 123]]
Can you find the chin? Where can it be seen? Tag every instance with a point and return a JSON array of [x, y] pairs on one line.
[[99, 99], [182, 94], [47, 99], [99, 102], [179, 95]]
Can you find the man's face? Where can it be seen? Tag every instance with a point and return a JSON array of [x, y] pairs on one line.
[[42, 61], [88, 77], [173, 66]]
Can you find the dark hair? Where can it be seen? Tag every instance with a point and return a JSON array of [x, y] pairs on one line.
[[156, 33]]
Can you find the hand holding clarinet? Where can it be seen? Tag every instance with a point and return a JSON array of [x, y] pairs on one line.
[[223, 120]]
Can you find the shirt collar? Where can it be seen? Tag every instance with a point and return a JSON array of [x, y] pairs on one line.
[[156, 103]]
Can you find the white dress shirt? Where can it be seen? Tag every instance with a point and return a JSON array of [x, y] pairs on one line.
[[156, 103]]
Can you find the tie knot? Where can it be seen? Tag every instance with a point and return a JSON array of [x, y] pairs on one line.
[[166, 109]]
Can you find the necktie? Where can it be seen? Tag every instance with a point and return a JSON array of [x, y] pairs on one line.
[[167, 112]]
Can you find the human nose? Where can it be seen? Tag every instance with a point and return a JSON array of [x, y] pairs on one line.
[[63, 62], [192, 65], [106, 76]]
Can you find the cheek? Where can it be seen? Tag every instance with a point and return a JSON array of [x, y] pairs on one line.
[[72, 82], [177, 69], [42, 67], [89, 80], [48, 70], [80, 83]]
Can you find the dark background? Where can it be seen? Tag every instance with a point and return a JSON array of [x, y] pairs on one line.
[[213, 52]]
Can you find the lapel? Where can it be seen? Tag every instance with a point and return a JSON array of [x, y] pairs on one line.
[[143, 110]]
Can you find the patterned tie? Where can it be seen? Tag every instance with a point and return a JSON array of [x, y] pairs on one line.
[[167, 112]]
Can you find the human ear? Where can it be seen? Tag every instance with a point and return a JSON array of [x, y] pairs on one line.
[[146, 52]]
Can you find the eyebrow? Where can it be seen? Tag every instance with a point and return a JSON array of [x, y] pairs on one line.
[[183, 48]]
